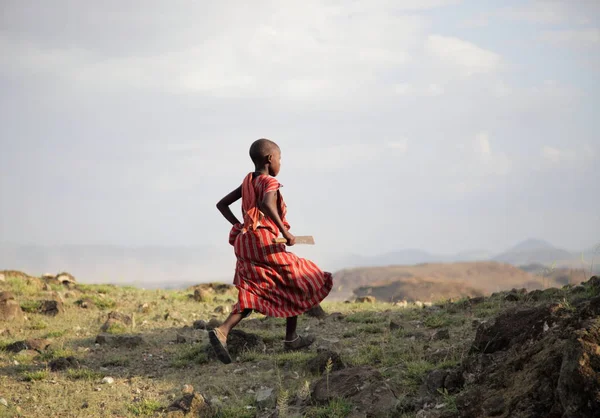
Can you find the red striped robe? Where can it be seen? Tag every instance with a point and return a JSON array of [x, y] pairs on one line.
[[270, 279]]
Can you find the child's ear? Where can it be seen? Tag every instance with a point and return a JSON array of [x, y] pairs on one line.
[[269, 158]]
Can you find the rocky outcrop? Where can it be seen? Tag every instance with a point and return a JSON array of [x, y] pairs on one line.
[[10, 310]]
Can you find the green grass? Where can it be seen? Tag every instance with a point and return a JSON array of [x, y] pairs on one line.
[[55, 334], [37, 375], [116, 361], [37, 325], [100, 302], [364, 329], [336, 408], [20, 287], [83, 374], [146, 407], [52, 354], [438, 320], [190, 354], [116, 328], [31, 306], [105, 289]]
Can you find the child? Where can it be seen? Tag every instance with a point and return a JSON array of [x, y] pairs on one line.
[[269, 279]]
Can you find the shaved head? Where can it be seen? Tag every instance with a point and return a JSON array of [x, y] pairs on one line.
[[261, 148]]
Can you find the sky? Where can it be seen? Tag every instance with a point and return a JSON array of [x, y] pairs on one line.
[[443, 125]]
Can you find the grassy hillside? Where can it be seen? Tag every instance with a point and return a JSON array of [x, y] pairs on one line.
[[52, 362]]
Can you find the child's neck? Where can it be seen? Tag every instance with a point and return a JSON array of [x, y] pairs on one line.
[[261, 170]]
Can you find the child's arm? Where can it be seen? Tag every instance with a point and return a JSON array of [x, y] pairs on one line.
[[224, 204], [269, 207]]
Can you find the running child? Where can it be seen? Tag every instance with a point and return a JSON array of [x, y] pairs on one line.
[[270, 280]]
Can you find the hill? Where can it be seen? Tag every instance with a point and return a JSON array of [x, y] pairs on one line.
[[75, 350], [429, 282]]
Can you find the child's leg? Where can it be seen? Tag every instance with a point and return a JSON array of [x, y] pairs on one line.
[[231, 321], [292, 340], [290, 328]]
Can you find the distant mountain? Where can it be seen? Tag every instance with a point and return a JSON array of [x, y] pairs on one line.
[[533, 251]]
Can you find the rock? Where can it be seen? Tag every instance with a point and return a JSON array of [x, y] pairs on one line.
[[316, 312], [64, 363], [537, 373], [579, 383], [66, 279], [122, 340], [441, 334], [476, 300], [108, 380], [366, 299], [394, 326], [222, 309], [239, 341], [265, 398], [577, 289], [213, 323], [193, 404], [201, 295], [173, 316], [336, 316], [144, 308], [3, 402], [364, 387], [318, 364], [401, 303], [51, 307], [510, 328], [493, 406], [187, 389], [454, 381], [200, 324], [118, 319], [594, 282], [435, 380], [10, 310], [37, 344]]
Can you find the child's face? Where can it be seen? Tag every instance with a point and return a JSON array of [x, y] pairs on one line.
[[275, 165]]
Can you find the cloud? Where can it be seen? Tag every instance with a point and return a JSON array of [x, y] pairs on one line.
[[571, 37], [467, 58], [483, 145], [553, 155], [408, 89], [553, 11]]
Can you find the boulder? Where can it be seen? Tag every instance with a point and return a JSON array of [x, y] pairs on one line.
[[239, 341], [37, 344], [441, 334], [118, 319], [64, 363], [51, 307], [364, 387], [10, 310], [318, 364], [534, 362], [192, 404]]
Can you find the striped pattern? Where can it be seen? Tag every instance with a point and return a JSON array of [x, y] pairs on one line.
[[270, 279]]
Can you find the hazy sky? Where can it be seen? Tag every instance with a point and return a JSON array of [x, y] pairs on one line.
[[442, 125]]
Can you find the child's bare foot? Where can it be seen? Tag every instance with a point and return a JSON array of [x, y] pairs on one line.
[[298, 343], [218, 340]]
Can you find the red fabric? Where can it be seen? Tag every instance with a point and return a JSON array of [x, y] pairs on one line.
[[270, 279]]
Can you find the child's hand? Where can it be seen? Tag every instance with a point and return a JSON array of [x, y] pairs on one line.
[[291, 239]]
